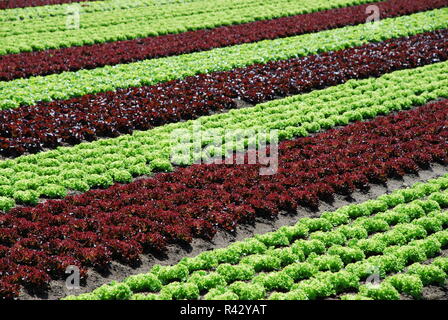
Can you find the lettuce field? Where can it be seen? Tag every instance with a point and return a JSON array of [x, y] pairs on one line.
[[224, 150]]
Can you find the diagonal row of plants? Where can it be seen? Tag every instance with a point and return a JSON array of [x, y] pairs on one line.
[[41, 36], [43, 11], [121, 222], [410, 282], [317, 257], [27, 64], [102, 162], [188, 9], [29, 129], [11, 4], [24, 9], [148, 72]]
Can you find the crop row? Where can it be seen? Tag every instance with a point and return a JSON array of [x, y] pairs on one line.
[[91, 6], [8, 4], [118, 223], [41, 36], [100, 163], [120, 17], [410, 283], [292, 273], [26, 64], [149, 72], [316, 258], [29, 129]]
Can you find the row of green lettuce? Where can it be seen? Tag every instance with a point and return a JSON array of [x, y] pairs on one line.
[[139, 15], [148, 72], [157, 12], [42, 12], [103, 162], [317, 257], [411, 282]]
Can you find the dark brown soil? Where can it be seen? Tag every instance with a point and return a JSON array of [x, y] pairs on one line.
[[118, 271], [435, 293]]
